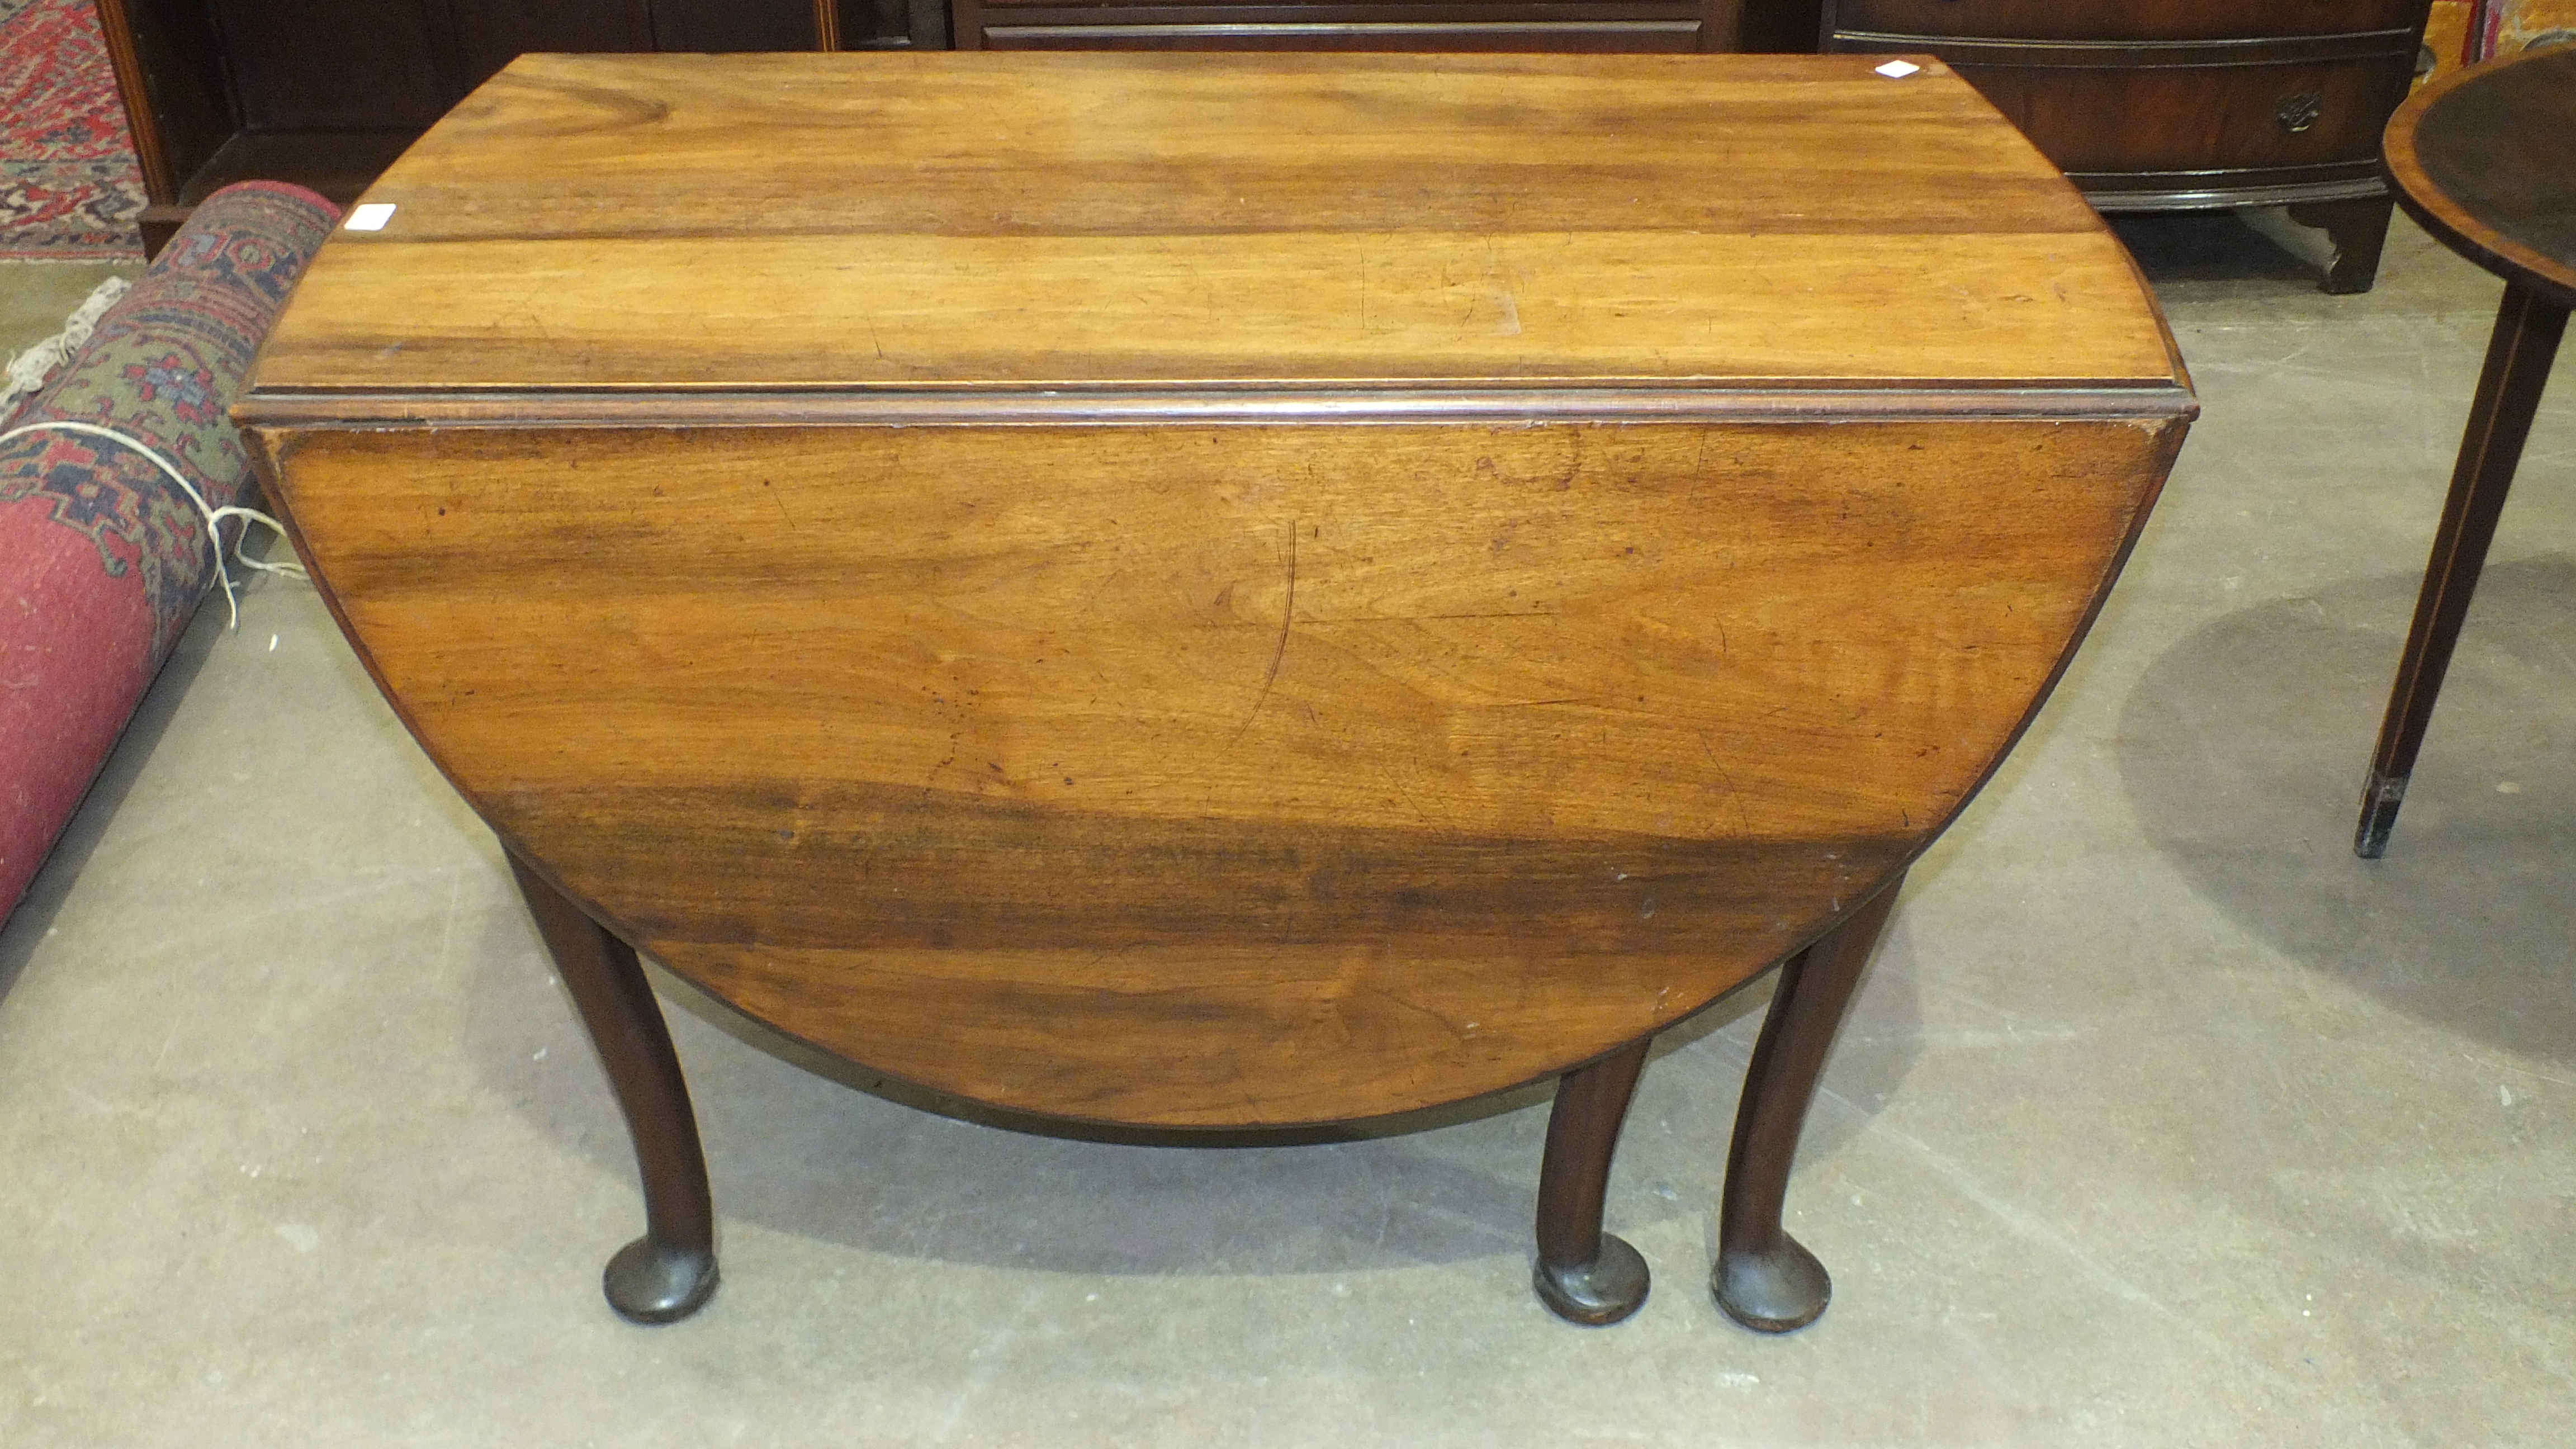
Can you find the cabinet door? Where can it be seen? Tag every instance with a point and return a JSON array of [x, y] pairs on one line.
[[891, 24], [1774, 26], [489, 33], [733, 24], [301, 65]]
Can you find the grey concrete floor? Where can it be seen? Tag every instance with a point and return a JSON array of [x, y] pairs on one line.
[[2161, 1120]]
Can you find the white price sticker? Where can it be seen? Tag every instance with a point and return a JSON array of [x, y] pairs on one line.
[[370, 217]]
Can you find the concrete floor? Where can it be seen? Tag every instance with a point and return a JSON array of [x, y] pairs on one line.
[[35, 297], [2162, 1120]]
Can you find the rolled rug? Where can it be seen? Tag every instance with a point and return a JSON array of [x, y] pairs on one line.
[[103, 559]]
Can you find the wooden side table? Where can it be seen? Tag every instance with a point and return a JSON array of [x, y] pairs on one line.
[[1222, 591], [2486, 159]]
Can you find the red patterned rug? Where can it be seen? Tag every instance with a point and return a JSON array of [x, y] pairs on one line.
[[69, 186]]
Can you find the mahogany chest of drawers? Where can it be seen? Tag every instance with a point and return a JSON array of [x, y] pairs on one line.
[[2165, 104]]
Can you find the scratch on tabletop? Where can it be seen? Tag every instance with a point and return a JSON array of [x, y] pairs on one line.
[[1500, 276], [1734, 792], [1279, 652]]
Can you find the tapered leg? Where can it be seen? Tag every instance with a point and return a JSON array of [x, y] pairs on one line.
[[2358, 228], [1585, 1274], [2526, 338], [670, 1272], [1764, 1278]]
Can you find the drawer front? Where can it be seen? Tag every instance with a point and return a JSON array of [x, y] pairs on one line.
[[2130, 20], [2200, 118], [1607, 39], [1552, 25]]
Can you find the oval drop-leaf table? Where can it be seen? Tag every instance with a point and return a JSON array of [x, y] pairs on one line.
[[1222, 591]]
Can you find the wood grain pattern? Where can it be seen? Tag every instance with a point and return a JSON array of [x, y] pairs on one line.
[[1334, 706], [977, 755], [2482, 158], [982, 220]]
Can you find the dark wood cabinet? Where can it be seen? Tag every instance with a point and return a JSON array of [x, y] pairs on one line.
[[488, 36], [2153, 105], [327, 92], [329, 64]]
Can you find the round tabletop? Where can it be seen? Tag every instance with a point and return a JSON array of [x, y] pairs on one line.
[[2486, 160]]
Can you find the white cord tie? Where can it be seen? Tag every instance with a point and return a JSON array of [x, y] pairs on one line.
[[214, 516]]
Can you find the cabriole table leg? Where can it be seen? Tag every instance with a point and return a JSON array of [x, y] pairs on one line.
[[670, 1272], [1584, 1274], [1764, 1278], [2526, 338]]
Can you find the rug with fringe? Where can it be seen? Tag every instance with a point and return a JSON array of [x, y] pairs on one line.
[[102, 557], [69, 186]]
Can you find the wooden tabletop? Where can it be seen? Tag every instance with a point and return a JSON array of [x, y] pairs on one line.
[[2486, 159], [993, 222]]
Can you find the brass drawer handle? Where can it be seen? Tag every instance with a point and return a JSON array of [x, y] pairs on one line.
[[2299, 112]]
